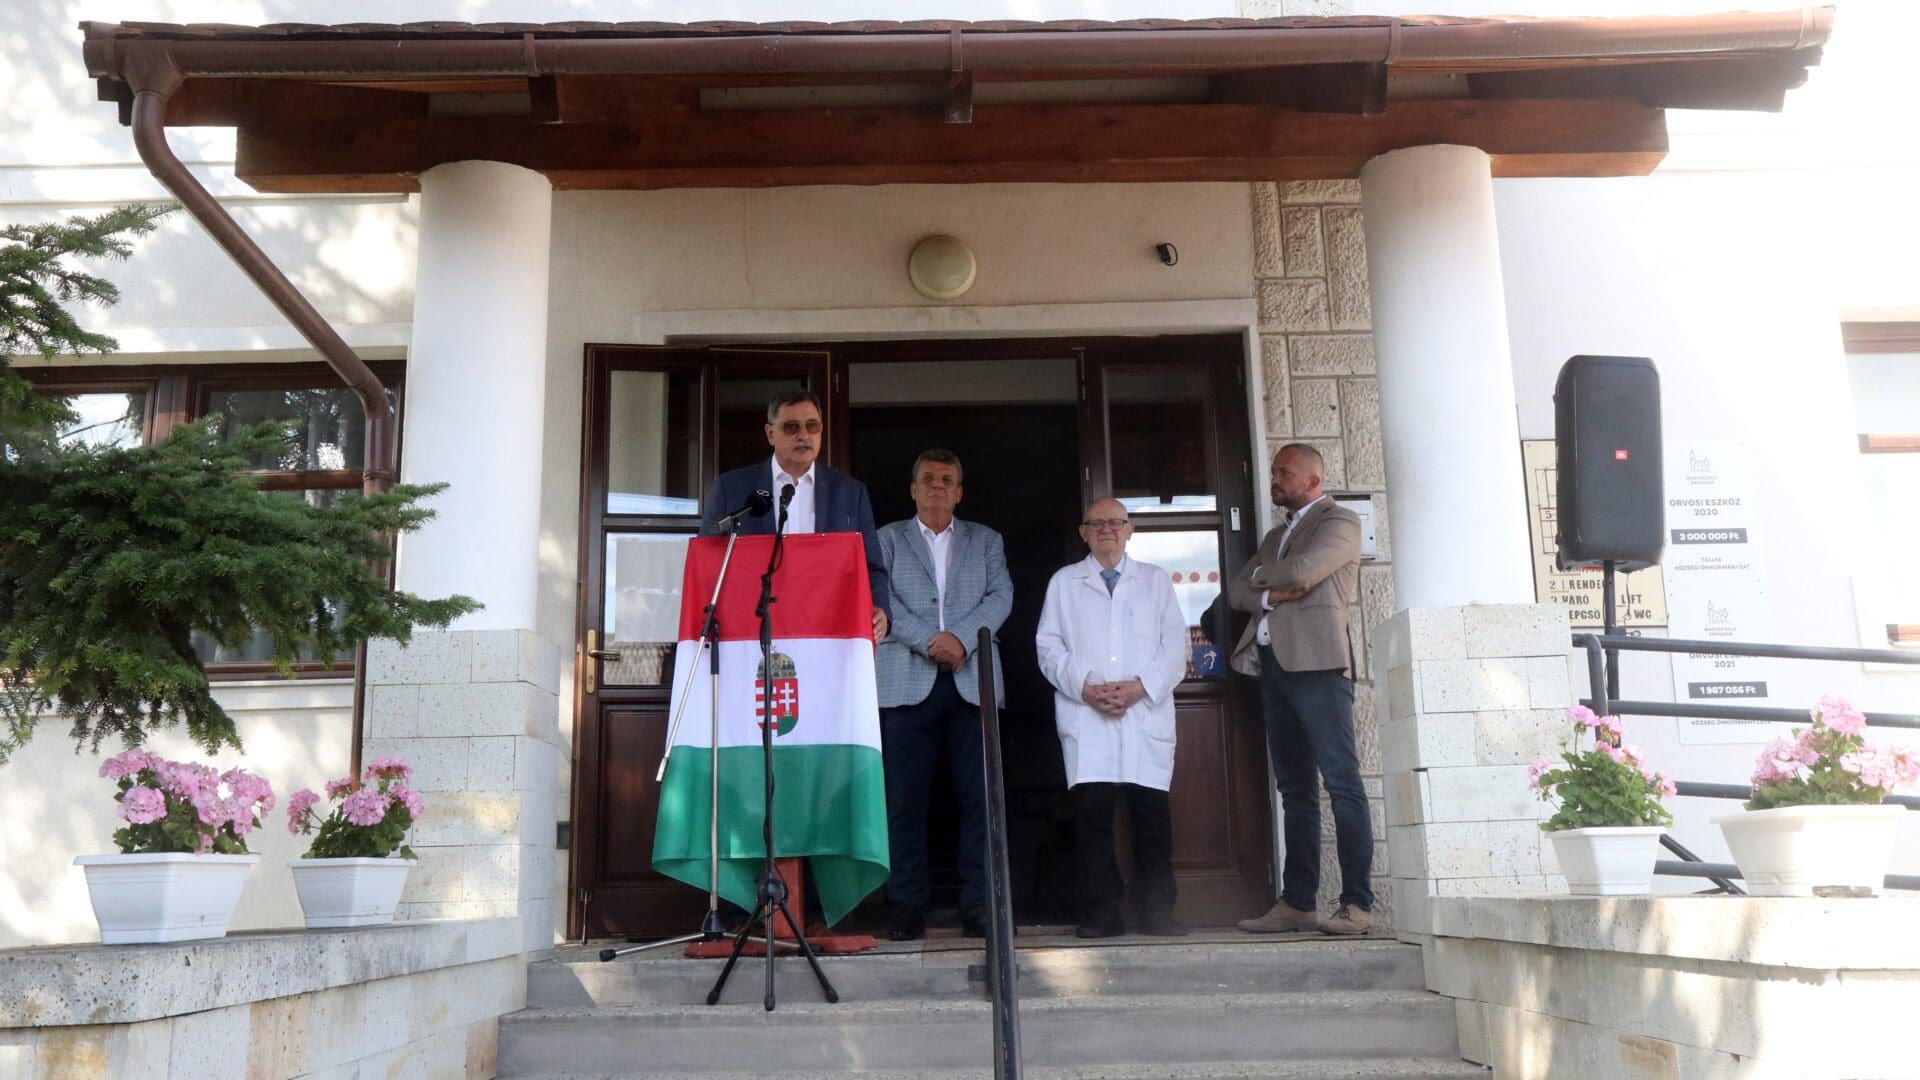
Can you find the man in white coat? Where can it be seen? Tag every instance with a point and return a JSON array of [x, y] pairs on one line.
[[1113, 643]]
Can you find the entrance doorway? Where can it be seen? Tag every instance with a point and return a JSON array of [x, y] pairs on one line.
[[1041, 426]]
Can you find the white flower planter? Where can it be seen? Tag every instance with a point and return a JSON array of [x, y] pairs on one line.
[[1616, 861], [164, 897], [349, 892], [1792, 850]]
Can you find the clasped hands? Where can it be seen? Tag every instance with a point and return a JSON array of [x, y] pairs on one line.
[[1281, 596], [1113, 698], [945, 649]]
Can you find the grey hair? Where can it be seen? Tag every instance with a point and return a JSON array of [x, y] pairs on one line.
[[794, 397], [939, 457]]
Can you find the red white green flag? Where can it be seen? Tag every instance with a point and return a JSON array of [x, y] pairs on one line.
[[830, 795]]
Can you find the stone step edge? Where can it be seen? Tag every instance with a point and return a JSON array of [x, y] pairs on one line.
[[1319, 1069], [813, 1010], [1265, 946]]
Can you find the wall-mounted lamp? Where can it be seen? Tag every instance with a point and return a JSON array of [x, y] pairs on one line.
[[941, 268]]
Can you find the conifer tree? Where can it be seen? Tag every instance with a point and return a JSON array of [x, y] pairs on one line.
[[112, 558]]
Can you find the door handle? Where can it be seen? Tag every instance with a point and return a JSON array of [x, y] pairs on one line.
[[594, 656]]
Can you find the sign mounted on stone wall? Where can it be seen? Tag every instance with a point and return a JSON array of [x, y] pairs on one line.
[[1640, 600]]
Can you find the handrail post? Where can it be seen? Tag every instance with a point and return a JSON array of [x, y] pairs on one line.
[[1001, 975], [1602, 703]]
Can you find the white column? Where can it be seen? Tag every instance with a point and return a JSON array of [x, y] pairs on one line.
[[1451, 435], [476, 387]]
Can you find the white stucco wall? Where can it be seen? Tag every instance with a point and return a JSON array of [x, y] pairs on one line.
[[1734, 280]]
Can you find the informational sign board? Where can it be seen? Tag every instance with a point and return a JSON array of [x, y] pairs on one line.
[[1639, 600], [1716, 585]]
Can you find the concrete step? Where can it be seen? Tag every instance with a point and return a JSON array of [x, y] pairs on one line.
[[914, 1035], [1236, 966], [1325, 1069]]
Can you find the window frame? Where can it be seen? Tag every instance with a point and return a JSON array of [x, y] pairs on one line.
[[179, 393], [1863, 338]]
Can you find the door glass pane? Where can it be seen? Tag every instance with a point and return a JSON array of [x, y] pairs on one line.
[[329, 424], [105, 420], [743, 398], [653, 442], [1157, 419], [1192, 559], [641, 616]]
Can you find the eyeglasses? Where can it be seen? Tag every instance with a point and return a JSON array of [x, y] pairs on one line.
[[795, 427], [1116, 524]]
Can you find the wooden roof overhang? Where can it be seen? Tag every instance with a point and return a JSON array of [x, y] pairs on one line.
[[368, 108]]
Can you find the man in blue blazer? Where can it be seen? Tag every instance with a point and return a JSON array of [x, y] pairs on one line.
[[949, 579], [824, 500]]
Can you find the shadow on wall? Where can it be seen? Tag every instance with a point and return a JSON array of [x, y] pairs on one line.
[[54, 805]]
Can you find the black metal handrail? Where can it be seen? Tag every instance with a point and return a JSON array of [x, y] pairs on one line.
[[1002, 976], [1602, 666]]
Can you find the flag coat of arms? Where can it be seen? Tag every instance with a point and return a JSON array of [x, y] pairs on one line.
[[830, 796]]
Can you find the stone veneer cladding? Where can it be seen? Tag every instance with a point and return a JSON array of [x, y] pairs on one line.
[[473, 711], [1316, 349]]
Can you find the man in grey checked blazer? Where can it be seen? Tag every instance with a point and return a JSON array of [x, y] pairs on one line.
[[949, 579]]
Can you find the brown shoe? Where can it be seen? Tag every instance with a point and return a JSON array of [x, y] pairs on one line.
[[1347, 920], [1283, 918]]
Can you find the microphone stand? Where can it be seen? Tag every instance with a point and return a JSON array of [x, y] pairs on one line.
[[711, 926], [773, 889]]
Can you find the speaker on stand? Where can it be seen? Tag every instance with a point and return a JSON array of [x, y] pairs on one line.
[[1608, 493]]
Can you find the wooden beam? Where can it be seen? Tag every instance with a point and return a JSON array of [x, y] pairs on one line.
[[1890, 444], [1880, 337], [1039, 143], [1360, 89]]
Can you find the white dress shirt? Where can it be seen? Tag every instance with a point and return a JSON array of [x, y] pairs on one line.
[[800, 510], [939, 544], [1263, 635]]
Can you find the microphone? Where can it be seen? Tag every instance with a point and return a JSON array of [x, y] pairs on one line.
[[757, 503], [786, 496]]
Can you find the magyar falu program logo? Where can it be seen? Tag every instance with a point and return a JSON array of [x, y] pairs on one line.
[[784, 687]]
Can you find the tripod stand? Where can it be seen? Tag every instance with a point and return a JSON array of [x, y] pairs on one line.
[[711, 927], [772, 897]]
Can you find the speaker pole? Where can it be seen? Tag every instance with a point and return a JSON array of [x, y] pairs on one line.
[[1607, 628]]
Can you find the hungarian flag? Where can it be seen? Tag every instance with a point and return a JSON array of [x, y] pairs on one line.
[[830, 793]]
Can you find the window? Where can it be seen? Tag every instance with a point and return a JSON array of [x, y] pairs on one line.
[[1883, 364], [124, 406]]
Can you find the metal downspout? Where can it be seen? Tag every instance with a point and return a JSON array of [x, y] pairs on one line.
[[154, 78]]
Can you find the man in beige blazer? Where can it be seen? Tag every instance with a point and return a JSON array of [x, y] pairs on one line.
[[1300, 588]]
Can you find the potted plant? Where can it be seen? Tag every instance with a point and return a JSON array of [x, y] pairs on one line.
[[354, 872], [1815, 819], [1607, 828], [183, 851]]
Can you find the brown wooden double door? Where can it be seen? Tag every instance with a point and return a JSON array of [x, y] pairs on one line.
[[1041, 426]]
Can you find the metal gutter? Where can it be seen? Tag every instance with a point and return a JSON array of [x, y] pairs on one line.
[[409, 55], [154, 79]]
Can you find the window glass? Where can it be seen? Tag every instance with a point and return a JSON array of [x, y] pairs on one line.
[[653, 442], [329, 424], [641, 614], [105, 419], [1192, 559], [1158, 421], [1886, 399]]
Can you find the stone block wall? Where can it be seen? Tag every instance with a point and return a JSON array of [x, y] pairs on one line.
[[1468, 697], [1316, 355], [474, 712], [422, 1000]]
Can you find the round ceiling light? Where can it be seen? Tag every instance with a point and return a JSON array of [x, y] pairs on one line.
[[941, 268]]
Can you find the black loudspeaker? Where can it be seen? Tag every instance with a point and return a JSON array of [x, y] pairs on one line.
[[1609, 491]]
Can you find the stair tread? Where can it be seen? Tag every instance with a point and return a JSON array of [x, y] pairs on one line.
[[729, 1011], [1319, 1069]]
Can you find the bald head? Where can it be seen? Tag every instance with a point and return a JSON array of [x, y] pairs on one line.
[[1296, 475], [1106, 529]]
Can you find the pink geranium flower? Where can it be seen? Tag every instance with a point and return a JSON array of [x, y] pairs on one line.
[[364, 807], [143, 805], [1840, 715], [225, 806]]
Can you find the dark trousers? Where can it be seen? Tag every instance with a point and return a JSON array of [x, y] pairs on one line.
[[914, 739], [1309, 739], [1151, 815]]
